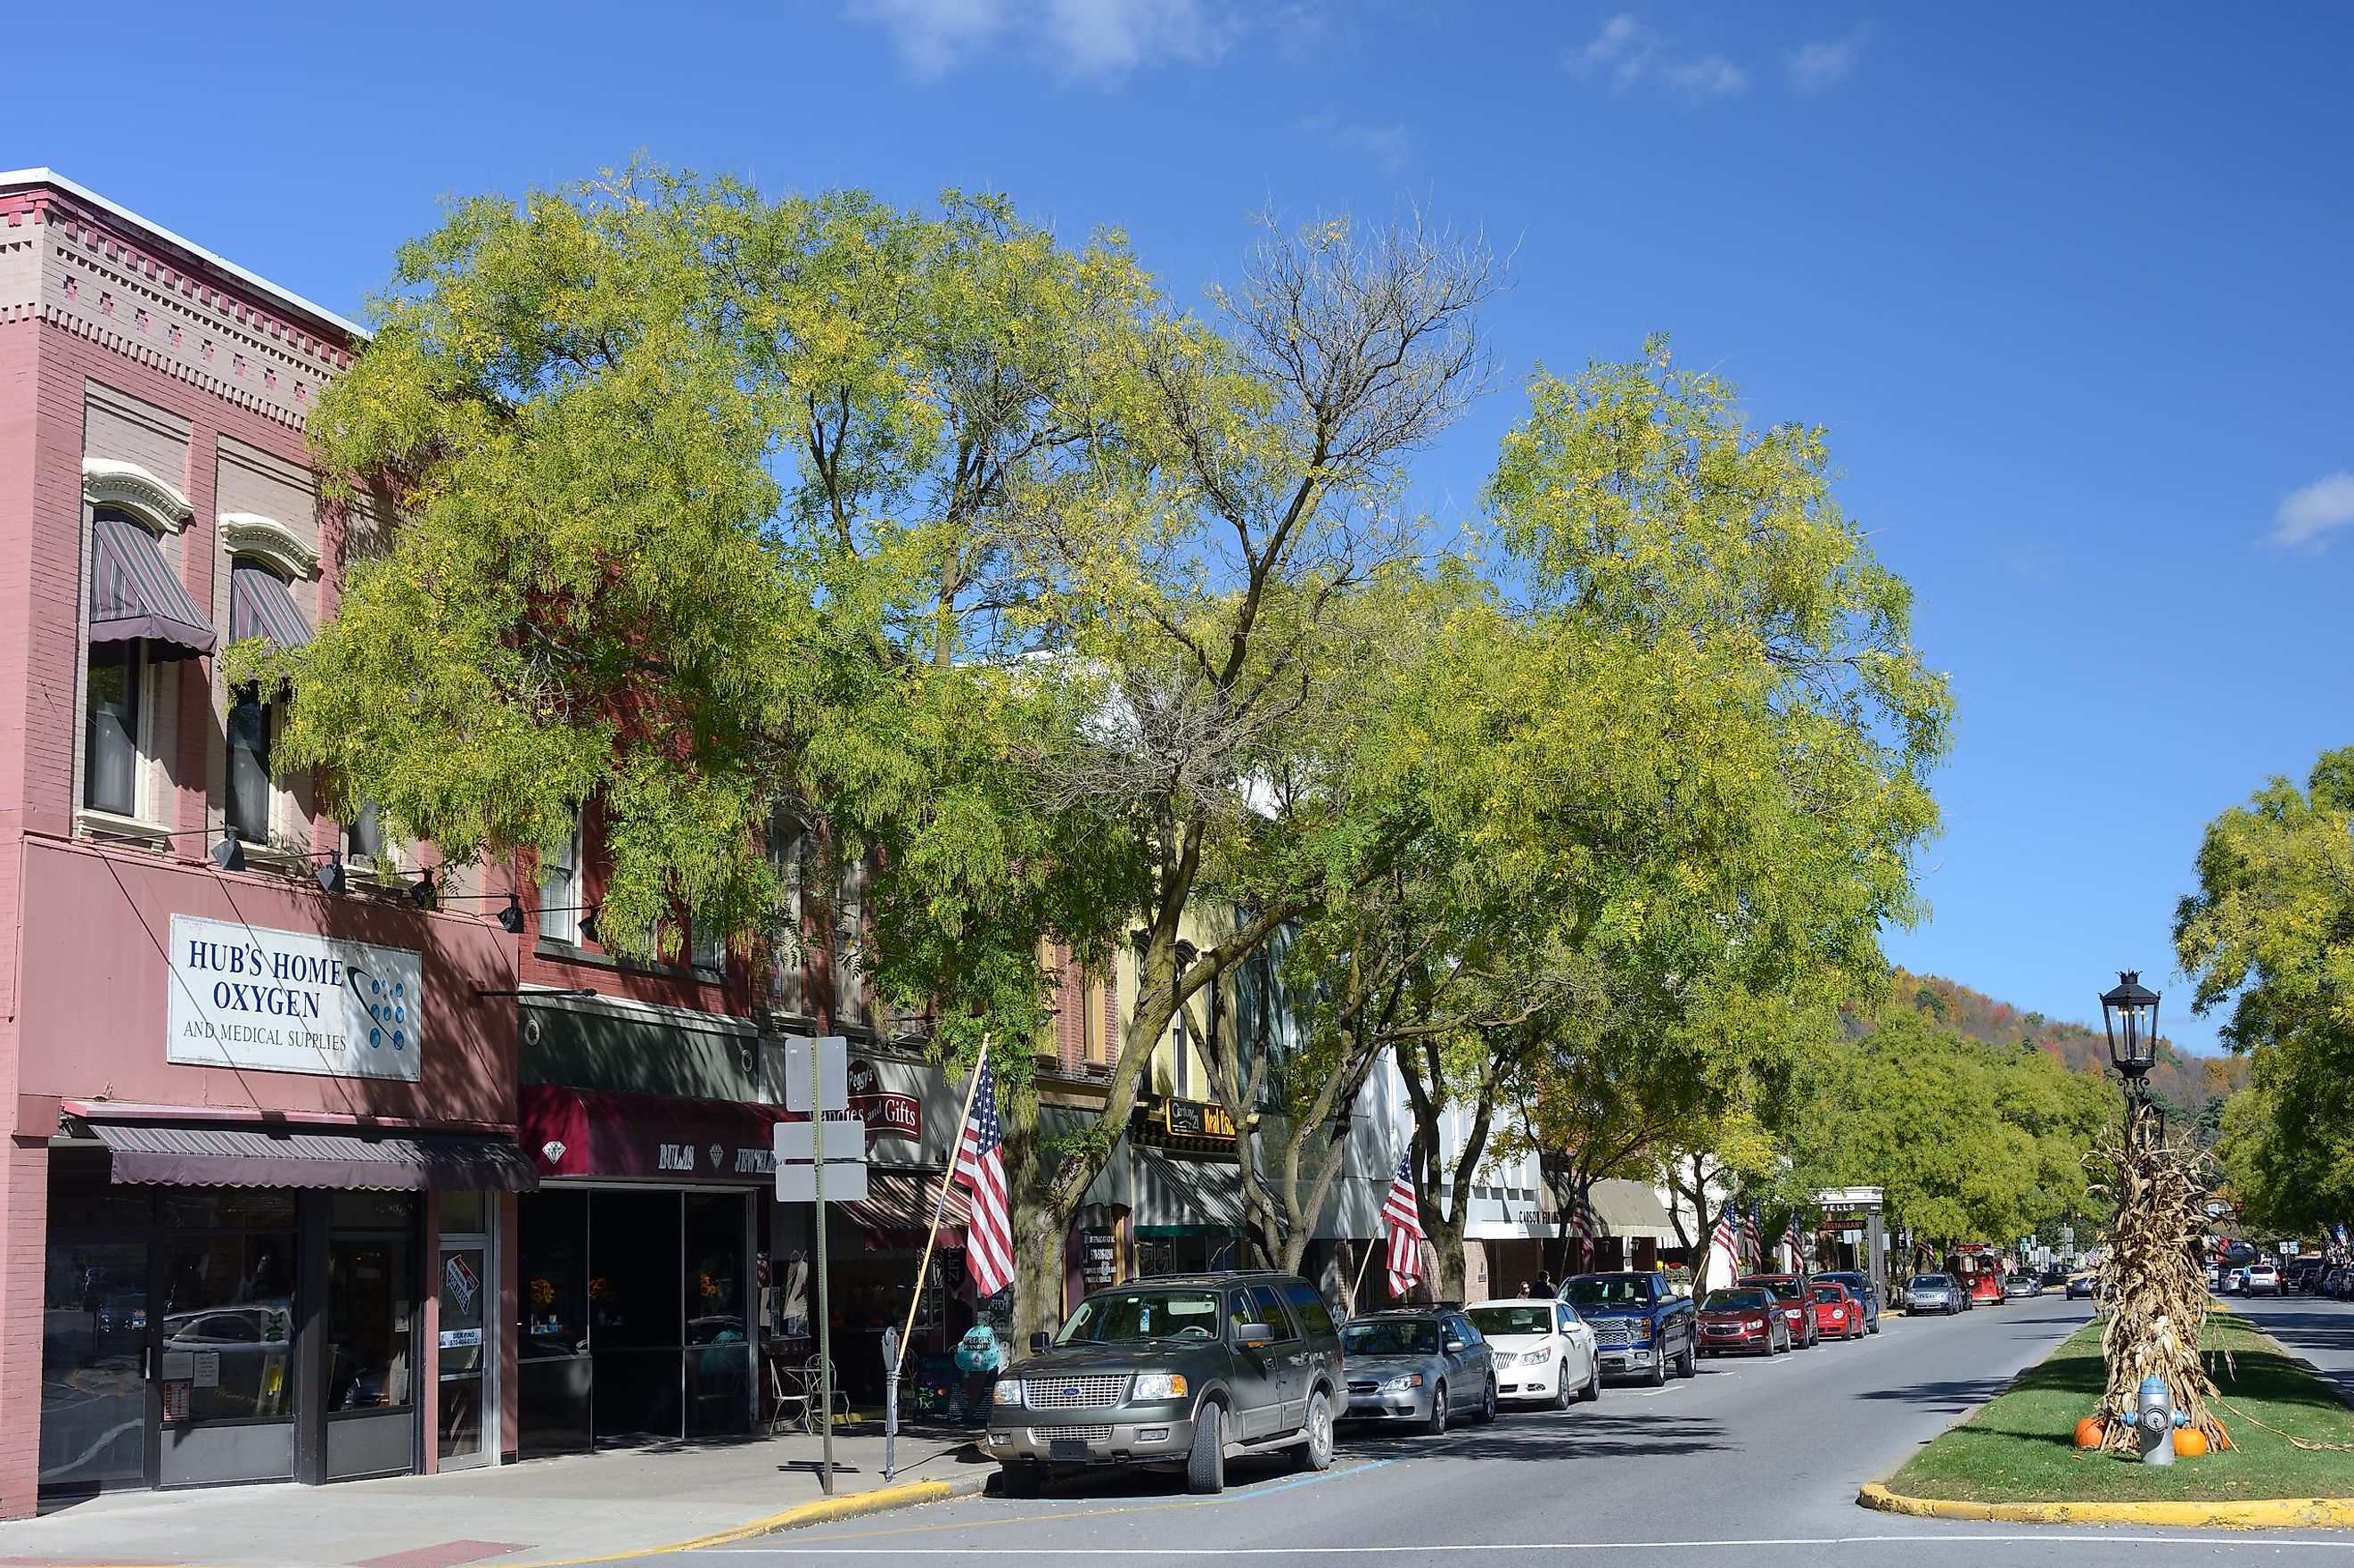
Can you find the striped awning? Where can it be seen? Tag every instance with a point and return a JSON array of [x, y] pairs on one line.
[[133, 593], [313, 1158], [260, 605], [898, 1208]]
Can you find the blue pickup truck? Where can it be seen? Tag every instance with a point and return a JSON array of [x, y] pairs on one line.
[[1642, 1325]]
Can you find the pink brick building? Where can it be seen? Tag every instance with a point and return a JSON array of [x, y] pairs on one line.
[[261, 1134]]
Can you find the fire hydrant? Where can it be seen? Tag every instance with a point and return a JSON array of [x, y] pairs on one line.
[[2154, 1420]]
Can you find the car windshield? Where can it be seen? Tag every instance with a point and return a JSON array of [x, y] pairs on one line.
[[1931, 1282], [1787, 1290], [1611, 1291], [1734, 1301], [1852, 1281], [1142, 1315], [1829, 1292], [1404, 1338], [1493, 1320]]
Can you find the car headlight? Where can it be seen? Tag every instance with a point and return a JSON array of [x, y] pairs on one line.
[[1008, 1391], [1400, 1384], [1645, 1329], [1756, 1323], [1160, 1385], [1535, 1358]]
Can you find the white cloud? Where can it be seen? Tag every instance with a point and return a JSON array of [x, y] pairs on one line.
[[2307, 513], [1100, 41], [1630, 53], [1392, 145], [1814, 67]]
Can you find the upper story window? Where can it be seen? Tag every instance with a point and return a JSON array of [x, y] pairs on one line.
[[559, 889], [252, 789], [364, 836], [140, 621], [787, 854]]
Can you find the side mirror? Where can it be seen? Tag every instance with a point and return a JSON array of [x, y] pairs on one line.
[[1040, 1341], [1251, 1335], [1454, 1346]]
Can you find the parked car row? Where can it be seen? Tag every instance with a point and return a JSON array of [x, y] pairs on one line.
[[1183, 1372]]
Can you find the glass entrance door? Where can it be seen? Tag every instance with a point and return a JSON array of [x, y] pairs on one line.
[[459, 1426], [94, 1350]]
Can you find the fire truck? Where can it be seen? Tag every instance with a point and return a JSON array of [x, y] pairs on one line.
[[1978, 1268]]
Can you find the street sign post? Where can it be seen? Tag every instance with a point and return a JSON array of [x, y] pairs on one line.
[[817, 1080]]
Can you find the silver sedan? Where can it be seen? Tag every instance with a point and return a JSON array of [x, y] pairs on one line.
[[1931, 1293]]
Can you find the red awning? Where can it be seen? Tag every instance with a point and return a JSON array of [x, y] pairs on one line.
[[898, 1208], [133, 593], [611, 1132]]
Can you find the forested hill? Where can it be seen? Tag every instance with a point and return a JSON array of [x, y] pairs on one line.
[[2192, 1088]]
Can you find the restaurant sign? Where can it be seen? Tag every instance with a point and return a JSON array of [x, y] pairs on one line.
[[290, 1001], [1195, 1118]]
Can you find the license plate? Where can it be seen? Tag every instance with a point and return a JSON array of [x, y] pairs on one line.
[[1067, 1450]]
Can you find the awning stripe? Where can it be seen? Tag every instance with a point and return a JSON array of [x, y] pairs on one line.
[[270, 1157], [898, 1206], [260, 606], [132, 592]]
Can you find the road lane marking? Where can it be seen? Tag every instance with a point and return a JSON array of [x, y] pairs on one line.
[[2247, 1539]]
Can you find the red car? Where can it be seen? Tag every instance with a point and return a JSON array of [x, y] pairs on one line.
[[1837, 1314], [1798, 1308], [1743, 1320]]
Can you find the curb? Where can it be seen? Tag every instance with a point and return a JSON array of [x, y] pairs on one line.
[[2265, 1513], [825, 1511]]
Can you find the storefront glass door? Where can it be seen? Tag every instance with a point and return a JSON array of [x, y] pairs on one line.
[[464, 1275], [93, 1363]]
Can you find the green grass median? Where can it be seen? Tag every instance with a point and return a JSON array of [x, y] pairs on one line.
[[2021, 1446]]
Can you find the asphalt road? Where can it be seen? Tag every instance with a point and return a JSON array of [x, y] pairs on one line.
[[1761, 1458]]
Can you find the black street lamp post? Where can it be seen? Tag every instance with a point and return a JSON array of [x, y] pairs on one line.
[[2129, 1012]]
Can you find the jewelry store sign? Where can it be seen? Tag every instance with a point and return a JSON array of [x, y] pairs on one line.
[[292, 1001]]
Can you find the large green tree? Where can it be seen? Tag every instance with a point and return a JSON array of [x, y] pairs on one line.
[[2269, 935]]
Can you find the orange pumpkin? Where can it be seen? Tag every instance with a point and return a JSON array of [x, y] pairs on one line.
[[2190, 1443], [2091, 1432]]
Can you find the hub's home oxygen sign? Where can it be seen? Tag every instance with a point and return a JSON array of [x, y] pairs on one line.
[[289, 1001]]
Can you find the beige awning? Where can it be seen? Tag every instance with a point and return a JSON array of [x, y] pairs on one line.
[[1630, 1209]]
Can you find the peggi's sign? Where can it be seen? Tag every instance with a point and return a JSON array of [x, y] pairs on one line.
[[886, 1114]]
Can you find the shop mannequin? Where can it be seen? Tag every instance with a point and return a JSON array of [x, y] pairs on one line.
[[797, 1272]]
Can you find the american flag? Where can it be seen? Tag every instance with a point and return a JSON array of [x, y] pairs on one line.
[[980, 1171], [1749, 1244], [1405, 1216], [1581, 1217], [1727, 1228], [1798, 1248]]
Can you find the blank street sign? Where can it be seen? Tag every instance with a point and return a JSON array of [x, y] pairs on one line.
[[832, 1054], [845, 1183]]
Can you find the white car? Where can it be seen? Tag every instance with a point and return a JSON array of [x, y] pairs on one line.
[[2263, 1279], [2236, 1281], [1545, 1350]]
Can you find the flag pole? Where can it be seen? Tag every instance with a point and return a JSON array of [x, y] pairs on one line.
[[1356, 1291], [923, 1265]]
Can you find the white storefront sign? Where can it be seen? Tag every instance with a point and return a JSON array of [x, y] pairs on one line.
[[290, 1001]]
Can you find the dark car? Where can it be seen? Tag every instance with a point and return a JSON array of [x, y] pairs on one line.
[[1645, 1325], [1174, 1374], [1748, 1322], [1794, 1294], [1860, 1287], [1420, 1366], [2305, 1275], [2082, 1285]]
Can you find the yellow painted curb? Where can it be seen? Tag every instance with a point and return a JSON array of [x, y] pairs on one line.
[[2262, 1513], [825, 1511]]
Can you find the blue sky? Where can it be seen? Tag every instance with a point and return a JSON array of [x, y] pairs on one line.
[[2073, 289]]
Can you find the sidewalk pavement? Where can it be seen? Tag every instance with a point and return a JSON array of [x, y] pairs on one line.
[[587, 1506]]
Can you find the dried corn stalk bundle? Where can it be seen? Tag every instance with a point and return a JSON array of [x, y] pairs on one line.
[[2153, 1284]]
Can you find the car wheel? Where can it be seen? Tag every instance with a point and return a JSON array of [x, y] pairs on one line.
[[1487, 1411], [1658, 1376], [1593, 1379], [1017, 1480], [1205, 1462], [1688, 1364], [1437, 1425], [1563, 1395], [1871, 1326], [1316, 1453]]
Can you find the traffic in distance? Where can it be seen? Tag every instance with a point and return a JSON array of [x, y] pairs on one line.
[[1183, 1372]]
